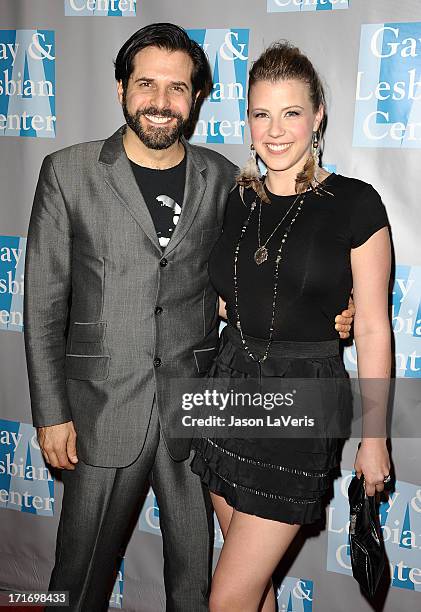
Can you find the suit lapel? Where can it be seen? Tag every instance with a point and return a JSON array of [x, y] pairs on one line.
[[193, 194], [120, 179]]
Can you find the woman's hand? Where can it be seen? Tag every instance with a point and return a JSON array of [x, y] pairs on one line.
[[373, 461]]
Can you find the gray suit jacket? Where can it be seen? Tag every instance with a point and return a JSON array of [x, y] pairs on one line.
[[94, 275]]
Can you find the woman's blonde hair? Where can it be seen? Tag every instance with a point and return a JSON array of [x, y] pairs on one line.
[[279, 62]]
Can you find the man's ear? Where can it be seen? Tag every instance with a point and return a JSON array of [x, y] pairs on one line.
[[120, 91]]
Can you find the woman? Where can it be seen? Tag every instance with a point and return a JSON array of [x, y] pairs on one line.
[[300, 237]]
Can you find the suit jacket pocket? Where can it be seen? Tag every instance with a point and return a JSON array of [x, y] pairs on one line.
[[87, 367], [87, 339], [88, 332], [87, 357], [204, 357]]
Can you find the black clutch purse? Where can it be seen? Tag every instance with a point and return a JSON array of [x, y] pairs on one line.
[[368, 556]]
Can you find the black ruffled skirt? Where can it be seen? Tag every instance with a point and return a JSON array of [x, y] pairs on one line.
[[282, 479]]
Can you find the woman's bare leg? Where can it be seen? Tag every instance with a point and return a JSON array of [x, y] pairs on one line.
[[252, 549], [224, 513]]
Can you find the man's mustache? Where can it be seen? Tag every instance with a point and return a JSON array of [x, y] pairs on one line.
[[164, 112]]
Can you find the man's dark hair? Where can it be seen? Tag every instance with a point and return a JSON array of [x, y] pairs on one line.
[[165, 36]]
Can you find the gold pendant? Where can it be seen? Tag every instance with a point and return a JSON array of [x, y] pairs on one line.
[[261, 255]]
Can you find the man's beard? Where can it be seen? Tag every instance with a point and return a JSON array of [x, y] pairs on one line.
[[155, 137]]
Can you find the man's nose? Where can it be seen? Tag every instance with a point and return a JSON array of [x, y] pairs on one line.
[[160, 98]]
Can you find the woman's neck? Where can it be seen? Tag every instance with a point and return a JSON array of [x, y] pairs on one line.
[[280, 185], [283, 183]]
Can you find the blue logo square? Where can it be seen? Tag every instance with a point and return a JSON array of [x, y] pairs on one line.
[[388, 90], [26, 483], [222, 117], [116, 599], [295, 594], [292, 6], [100, 8], [149, 520], [27, 83], [12, 263]]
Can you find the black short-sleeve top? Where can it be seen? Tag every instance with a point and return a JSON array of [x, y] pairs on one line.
[[315, 278]]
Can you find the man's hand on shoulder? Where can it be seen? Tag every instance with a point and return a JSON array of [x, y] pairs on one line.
[[343, 322], [58, 445]]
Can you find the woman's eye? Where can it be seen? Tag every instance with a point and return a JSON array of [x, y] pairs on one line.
[[258, 115], [292, 114]]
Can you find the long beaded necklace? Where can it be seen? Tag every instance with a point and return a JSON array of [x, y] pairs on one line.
[[261, 254], [278, 259]]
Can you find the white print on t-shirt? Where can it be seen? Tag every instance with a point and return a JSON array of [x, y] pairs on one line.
[[168, 202]]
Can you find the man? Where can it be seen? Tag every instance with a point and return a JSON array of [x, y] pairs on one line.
[[118, 301]]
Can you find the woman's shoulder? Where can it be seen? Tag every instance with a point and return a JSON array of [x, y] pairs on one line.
[[241, 196], [238, 206], [365, 210], [240, 201], [351, 186]]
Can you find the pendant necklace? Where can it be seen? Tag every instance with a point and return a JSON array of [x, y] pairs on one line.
[[261, 254], [278, 259]]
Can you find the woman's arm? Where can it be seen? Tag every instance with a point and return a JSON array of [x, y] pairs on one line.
[[371, 273]]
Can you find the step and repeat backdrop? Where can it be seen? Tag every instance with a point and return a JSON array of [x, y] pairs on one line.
[[57, 88]]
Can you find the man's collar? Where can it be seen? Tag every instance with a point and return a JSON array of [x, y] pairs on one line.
[[113, 148]]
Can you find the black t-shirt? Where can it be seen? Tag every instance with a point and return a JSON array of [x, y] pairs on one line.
[[163, 191], [315, 278]]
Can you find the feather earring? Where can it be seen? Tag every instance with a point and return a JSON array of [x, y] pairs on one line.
[[250, 176], [251, 171], [315, 149]]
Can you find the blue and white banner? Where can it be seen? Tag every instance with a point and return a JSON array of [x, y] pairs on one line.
[[149, 520], [26, 483], [116, 599], [292, 6], [400, 520], [149, 517], [27, 83], [12, 263], [100, 8], [406, 321], [295, 595], [222, 117], [388, 92]]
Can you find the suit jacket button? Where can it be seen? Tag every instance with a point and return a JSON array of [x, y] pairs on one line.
[[157, 362], [158, 310], [163, 262]]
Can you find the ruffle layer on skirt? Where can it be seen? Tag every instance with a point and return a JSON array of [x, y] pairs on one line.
[[283, 479]]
